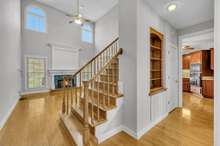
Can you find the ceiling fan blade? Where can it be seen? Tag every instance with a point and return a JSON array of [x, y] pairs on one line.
[[87, 20], [69, 15]]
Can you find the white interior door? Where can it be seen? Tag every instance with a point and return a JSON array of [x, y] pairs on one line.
[[173, 73]]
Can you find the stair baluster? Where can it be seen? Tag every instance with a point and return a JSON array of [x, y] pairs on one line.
[[94, 84]]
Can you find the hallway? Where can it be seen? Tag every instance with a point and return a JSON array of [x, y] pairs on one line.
[[35, 122]]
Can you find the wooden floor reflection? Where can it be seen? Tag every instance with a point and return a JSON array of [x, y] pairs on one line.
[[35, 122]]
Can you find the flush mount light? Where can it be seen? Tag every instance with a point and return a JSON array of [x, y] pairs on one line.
[[172, 7]]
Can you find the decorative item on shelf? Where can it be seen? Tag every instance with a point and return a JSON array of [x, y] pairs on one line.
[[156, 51]]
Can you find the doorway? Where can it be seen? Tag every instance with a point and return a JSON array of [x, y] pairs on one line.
[[196, 67]]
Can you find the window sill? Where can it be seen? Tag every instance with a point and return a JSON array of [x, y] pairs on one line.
[[157, 91]]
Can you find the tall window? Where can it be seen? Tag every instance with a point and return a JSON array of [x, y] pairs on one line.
[[35, 19], [87, 33], [36, 72]]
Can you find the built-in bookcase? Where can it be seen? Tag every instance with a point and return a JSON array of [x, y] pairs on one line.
[[156, 61]]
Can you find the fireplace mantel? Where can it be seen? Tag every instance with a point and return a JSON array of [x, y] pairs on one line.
[[62, 71]]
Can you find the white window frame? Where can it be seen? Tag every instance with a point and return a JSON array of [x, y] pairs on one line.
[[82, 29], [26, 72], [26, 16]]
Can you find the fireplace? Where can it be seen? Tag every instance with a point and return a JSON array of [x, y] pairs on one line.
[[60, 80], [60, 77]]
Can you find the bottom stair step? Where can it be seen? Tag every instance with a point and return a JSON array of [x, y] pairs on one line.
[[76, 130], [74, 127]]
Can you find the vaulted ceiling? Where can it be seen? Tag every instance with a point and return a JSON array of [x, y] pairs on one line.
[[90, 9], [188, 12]]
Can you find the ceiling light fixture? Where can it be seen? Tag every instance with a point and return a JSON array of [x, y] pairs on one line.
[[172, 7], [78, 18]]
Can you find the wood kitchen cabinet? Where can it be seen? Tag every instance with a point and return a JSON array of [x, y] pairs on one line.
[[208, 88], [186, 61], [196, 57], [212, 58], [186, 84]]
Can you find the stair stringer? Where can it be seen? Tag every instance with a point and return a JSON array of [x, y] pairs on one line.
[[113, 125]]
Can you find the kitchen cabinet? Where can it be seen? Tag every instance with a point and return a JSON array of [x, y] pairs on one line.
[[186, 84], [212, 58], [196, 57], [186, 61], [208, 88]]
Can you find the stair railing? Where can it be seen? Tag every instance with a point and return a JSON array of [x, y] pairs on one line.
[[73, 89], [97, 93], [77, 88]]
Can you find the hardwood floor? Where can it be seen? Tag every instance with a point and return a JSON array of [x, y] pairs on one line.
[[35, 122], [190, 126]]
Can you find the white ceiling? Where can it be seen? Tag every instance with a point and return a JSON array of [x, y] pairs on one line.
[[93, 9], [202, 41], [188, 13]]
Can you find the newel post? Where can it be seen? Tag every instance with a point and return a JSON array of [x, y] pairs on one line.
[[86, 114]]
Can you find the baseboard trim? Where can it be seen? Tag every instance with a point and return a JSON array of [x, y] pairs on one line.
[[5, 119], [130, 132], [147, 128], [34, 92], [109, 134], [135, 135]]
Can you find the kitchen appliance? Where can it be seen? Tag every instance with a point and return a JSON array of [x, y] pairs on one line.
[[195, 78]]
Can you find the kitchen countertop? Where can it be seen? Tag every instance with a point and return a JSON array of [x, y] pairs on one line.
[[207, 78]]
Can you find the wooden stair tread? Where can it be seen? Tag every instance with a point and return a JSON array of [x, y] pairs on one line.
[[104, 82], [104, 93], [74, 127], [80, 115], [101, 106]]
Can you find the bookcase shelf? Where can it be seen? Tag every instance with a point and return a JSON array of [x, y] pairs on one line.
[[156, 52]]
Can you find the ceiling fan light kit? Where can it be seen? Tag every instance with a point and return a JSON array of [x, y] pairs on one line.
[[78, 18]]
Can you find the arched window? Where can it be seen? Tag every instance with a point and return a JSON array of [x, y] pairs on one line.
[[87, 33], [35, 19]]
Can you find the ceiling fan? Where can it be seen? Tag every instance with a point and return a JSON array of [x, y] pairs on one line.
[[188, 48], [78, 18]]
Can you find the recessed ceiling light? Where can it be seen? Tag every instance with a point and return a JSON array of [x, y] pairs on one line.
[[172, 7]]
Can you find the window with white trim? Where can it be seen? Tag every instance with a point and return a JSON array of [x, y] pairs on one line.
[[36, 72], [87, 33], [35, 19]]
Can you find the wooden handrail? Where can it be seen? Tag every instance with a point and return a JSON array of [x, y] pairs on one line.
[[80, 88], [104, 67], [95, 57]]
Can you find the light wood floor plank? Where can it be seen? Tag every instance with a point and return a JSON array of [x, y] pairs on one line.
[[35, 122]]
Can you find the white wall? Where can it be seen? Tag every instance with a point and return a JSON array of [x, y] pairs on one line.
[[152, 108], [9, 57], [128, 62], [141, 112], [217, 75], [106, 29], [59, 31]]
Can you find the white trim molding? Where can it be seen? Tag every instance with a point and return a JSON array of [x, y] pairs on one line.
[[150, 126], [108, 135], [25, 73], [34, 92], [6, 117]]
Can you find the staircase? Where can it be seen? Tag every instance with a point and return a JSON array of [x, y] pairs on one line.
[[94, 92]]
